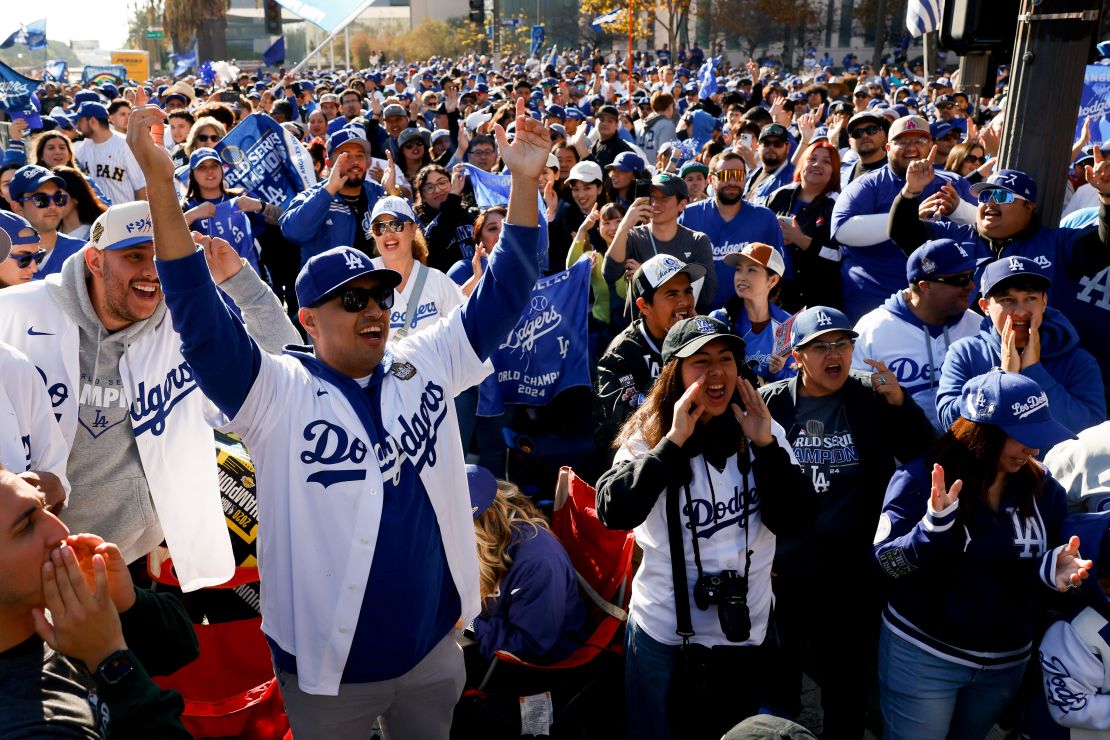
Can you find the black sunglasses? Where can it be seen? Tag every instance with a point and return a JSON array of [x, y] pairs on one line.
[[24, 260], [42, 200], [354, 300], [956, 281], [865, 131], [204, 138], [975, 160]]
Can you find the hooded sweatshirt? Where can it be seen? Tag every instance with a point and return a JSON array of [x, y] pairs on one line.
[[912, 349], [111, 495], [1066, 372]]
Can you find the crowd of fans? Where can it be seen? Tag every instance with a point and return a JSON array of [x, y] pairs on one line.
[[847, 390]]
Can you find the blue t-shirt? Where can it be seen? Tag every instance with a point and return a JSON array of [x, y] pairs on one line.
[[751, 224]]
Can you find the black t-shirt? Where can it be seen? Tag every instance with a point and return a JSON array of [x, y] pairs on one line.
[[45, 693], [360, 207]]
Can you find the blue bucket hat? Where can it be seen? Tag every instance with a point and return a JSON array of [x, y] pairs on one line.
[[1015, 403], [328, 271]]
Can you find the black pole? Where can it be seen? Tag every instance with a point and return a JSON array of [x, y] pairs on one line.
[[1051, 50]]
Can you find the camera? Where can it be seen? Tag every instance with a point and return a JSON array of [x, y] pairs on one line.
[[729, 591]]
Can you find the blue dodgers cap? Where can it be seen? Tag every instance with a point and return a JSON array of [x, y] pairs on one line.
[[938, 257], [1015, 403], [575, 113], [940, 129], [86, 96], [348, 135], [1006, 269], [1013, 181], [814, 322], [203, 154], [92, 110], [393, 205], [29, 178], [10, 226], [556, 111], [627, 162], [109, 90], [483, 489], [328, 271], [122, 226]]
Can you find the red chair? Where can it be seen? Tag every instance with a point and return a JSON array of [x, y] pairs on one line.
[[588, 681]]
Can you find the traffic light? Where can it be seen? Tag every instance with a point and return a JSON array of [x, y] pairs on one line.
[[271, 12], [477, 11], [979, 25]]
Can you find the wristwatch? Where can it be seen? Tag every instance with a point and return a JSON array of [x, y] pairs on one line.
[[116, 667]]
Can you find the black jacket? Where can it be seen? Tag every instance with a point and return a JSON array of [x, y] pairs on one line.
[[446, 230], [625, 374], [883, 435], [816, 277]]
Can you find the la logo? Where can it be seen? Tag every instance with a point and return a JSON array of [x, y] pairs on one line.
[[1015, 265], [353, 260], [823, 319]]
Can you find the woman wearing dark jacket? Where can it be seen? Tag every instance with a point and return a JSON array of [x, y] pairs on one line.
[[848, 432], [448, 225], [804, 209], [707, 487]]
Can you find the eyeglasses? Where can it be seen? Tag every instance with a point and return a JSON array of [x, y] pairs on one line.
[[827, 348], [861, 131], [956, 281], [442, 184], [42, 200], [24, 260], [395, 225], [354, 300], [999, 196], [729, 175], [205, 138], [483, 152]]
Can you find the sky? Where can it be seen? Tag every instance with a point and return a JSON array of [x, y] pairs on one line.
[[67, 20]]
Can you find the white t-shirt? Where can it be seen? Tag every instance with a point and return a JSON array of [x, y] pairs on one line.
[[111, 166], [438, 298]]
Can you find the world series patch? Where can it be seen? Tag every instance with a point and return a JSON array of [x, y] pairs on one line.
[[402, 370]]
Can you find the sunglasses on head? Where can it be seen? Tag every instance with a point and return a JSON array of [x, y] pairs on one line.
[[395, 225], [42, 200], [24, 260], [729, 175], [956, 281], [998, 196], [205, 138], [354, 300], [865, 131]]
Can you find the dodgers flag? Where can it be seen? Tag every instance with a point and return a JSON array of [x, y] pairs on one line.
[[707, 78], [56, 69], [923, 16], [266, 160], [33, 35], [330, 15], [1094, 101], [184, 61], [493, 190], [605, 20], [232, 225], [546, 352], [274, 55], [16, 92]]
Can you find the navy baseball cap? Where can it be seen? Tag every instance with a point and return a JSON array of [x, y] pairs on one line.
[[627, 162], [483, 489], [203, 154], [394, 206], [556, 111], [31, 177], [575, 113], [689, 335], [776, 130], [110, 91], [938, 257], [86, 96], [1003, 270], [347, 135], [92, 110], [10, 226], [817, 321], [1016, 404], [1013, 181], [940, 129], [328, 271]]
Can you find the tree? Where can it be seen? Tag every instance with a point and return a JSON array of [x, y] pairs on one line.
[[884, 17], [205, 19], [672, 16]]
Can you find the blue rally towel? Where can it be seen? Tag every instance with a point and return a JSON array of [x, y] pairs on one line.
[[546, 352]]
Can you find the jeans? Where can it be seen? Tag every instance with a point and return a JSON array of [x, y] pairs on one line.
[[924, 697], [648, 674]]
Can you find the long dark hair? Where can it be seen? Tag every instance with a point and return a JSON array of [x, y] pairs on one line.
[[970, 452], [193, 190], [89, 206], [422, 176], [44, 137]]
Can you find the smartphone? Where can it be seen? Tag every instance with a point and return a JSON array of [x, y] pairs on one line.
[[746, 140], [641, 189], [785, 220]]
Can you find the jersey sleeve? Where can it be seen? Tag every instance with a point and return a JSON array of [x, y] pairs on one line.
[[910, 531]]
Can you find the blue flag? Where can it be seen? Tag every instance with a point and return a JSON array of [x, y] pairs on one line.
[[17, 96], [707, 78], [275, 55], [546, 352], [537, 41], [605, 20], [35, 34], [184, 61], [233, 226], [266, 160], [56, 69], [923, 16], [493, 190], [327, 14]]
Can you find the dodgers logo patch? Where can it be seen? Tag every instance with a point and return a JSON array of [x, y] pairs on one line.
[[402, 370]]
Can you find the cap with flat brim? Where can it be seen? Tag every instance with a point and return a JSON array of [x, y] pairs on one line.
[[327, 272], [483, 489], [689, 335]]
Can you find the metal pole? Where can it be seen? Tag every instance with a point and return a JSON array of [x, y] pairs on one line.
[[496, 40], [630, 24], [929, 52]]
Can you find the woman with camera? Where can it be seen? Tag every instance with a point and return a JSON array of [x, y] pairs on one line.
[[707, 480]]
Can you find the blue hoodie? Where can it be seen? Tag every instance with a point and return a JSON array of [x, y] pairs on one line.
[[316, 220], [1066, 372]]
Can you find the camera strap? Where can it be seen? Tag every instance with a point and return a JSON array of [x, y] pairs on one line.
[[684, 626]]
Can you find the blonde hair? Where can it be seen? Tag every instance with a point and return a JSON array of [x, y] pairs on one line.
[[494, 531]]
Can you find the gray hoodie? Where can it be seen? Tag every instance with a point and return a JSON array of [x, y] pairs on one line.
[[110, 496]]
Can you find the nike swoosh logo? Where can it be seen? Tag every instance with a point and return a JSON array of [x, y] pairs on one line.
[[32, 333], [513, 591], [321, 393]]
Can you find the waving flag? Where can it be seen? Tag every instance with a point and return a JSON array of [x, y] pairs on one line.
[[537, 41], [493, 190], [923, 16], [16, 93], [35, 34], [184, 61], [56, 69], [330, 15], [604, 20], [266, 160], [707, 78], [275, 55]]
